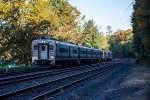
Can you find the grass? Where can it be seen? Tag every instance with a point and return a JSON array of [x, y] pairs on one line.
[[14, 68]]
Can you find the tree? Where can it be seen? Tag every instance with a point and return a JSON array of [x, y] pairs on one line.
[[107, 38], [121, 43], [21, 21], [91, 35], [68, 21], [141, 30], [109, 30]]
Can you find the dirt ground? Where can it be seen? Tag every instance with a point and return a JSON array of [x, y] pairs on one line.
[[139, 76]]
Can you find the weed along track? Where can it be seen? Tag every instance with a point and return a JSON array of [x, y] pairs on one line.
[[42, 86]]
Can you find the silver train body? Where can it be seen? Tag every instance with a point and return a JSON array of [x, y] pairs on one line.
[[46, 51]]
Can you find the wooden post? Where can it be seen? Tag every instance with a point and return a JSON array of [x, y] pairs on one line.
[[6, 70], [45, 97], [61, 90]]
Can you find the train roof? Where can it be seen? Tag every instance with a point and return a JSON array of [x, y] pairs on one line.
[[52, 39], [46, 38], [67, 43]]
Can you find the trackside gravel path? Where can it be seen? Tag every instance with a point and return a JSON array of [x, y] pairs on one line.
[[130, 81]]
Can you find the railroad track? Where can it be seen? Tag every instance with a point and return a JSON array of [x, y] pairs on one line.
[[7, 81], [33, 75], [39, 90], [13, 77], [4, 74]]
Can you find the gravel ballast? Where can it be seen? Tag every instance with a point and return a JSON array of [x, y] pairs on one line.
[[130, 81], [29, 83]]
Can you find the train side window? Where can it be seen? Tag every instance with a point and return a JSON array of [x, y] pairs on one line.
[[94, 53], [74, 51], [66, 50], [101, 53], [89, 52], [60, 50], [35, 47], [63, 50], [83, 52]]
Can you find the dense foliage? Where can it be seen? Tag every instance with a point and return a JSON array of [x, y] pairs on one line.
[[91, 35], [141, 28], [21, 21], [121, 43]]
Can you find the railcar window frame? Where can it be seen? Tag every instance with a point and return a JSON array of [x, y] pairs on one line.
[[94, 53], [101, 53], [74, 51], [83, 52], [89, 52], [63, 50]]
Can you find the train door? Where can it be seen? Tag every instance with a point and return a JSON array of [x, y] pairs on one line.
[[43, 51]]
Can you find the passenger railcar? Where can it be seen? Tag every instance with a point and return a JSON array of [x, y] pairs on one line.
[[47, 51]]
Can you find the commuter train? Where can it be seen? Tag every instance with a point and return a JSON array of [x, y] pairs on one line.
[[47, 51]]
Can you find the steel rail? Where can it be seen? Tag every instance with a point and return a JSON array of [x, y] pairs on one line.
[[30, 76], [39, 97], [52, 81]]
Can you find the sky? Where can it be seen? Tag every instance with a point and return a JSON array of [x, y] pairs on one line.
[[116, 13]]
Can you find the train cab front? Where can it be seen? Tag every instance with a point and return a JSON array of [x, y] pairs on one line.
[[43, 52]]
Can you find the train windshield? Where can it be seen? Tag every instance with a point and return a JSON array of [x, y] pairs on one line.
[[35, 47]]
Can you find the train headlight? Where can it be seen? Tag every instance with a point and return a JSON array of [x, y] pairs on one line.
[[43, 41], [34, 58], [51, 57]]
